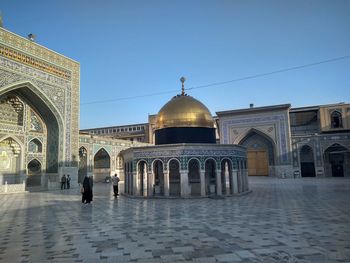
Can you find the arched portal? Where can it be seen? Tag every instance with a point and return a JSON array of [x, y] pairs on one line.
[[337, 160], [210, 177], [82, 172], [158, 178], [102, 165], [260, 153], [10, 161], [174, 178], [42, 105], [142, 178], [226, 177], [194, 177], [307, 164], [34, 173]]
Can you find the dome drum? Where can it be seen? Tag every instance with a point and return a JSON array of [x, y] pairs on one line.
[[185, 135]]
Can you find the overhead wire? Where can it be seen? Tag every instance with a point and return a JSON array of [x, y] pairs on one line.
[[259, 75]]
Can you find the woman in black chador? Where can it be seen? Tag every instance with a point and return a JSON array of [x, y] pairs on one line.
[[87, 192]]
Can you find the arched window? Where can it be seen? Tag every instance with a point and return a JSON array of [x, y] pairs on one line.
[[35, 146], [336, 120]]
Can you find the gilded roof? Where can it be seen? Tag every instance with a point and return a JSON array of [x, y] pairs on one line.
[[184, 111]]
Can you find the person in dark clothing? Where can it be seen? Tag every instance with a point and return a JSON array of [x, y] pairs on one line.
[[87, 191], [68, 181], [63, 182]]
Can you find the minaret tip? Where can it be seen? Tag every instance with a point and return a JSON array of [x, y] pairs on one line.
[[182, 79]]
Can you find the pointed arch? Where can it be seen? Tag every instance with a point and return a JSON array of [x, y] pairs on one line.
[[34, 170], [307, 163], [194, 176], [142, 177], [226, 176], [210, 176], [28, 92], [11, 159], [174, 177], [336, 119], [261, 152], [158, 175], [35, 146], [83, 168], [337, 160], [102, 159]]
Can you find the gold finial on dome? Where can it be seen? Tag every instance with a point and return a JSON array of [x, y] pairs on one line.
[[182, 79]]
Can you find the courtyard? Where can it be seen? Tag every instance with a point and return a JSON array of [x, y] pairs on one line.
[[281, 220]]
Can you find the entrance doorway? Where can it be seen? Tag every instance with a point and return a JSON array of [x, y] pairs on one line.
[[307, 165], [258, 163], [260, 153], [337, 160]]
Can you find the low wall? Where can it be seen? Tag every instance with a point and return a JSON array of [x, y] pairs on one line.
[[12, 188]]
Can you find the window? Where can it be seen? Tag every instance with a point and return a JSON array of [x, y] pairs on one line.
[[336, 120], [134, 128], [35, 146]]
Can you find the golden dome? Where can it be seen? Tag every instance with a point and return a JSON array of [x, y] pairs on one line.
[[184, 111]]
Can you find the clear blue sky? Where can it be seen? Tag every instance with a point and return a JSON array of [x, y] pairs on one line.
[[130, 48]]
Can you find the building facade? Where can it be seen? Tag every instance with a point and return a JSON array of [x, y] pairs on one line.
[[135, 132], [291, 142], [39, 114]]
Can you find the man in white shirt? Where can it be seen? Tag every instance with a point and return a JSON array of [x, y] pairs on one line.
[[115, 181]]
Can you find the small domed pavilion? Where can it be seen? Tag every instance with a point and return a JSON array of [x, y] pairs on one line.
[[185, 161]]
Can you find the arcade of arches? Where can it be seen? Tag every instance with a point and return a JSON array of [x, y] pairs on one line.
[[149, 173]]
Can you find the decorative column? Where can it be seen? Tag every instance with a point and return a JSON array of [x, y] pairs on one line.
[[202, 178], [227, 179], [135, 184], [184, 186], [166, 182], [246, 180], [235, 181], [218, 182], [150, 181], [145, 181]]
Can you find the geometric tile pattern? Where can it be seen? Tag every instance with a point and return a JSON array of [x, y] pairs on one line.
[[290, 220]]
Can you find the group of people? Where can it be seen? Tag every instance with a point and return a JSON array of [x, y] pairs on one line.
[[86, 188], [65, 182]]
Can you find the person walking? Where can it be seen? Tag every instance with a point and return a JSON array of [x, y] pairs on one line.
[[63, 182], [86, 191], [68, 181], [115, 181]]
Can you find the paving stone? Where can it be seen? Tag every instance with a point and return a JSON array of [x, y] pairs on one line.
[[281, 221]]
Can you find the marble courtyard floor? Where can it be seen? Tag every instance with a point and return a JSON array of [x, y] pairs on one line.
[[282, 220]]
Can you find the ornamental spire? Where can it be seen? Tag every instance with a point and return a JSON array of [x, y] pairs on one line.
[[182, 79]]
